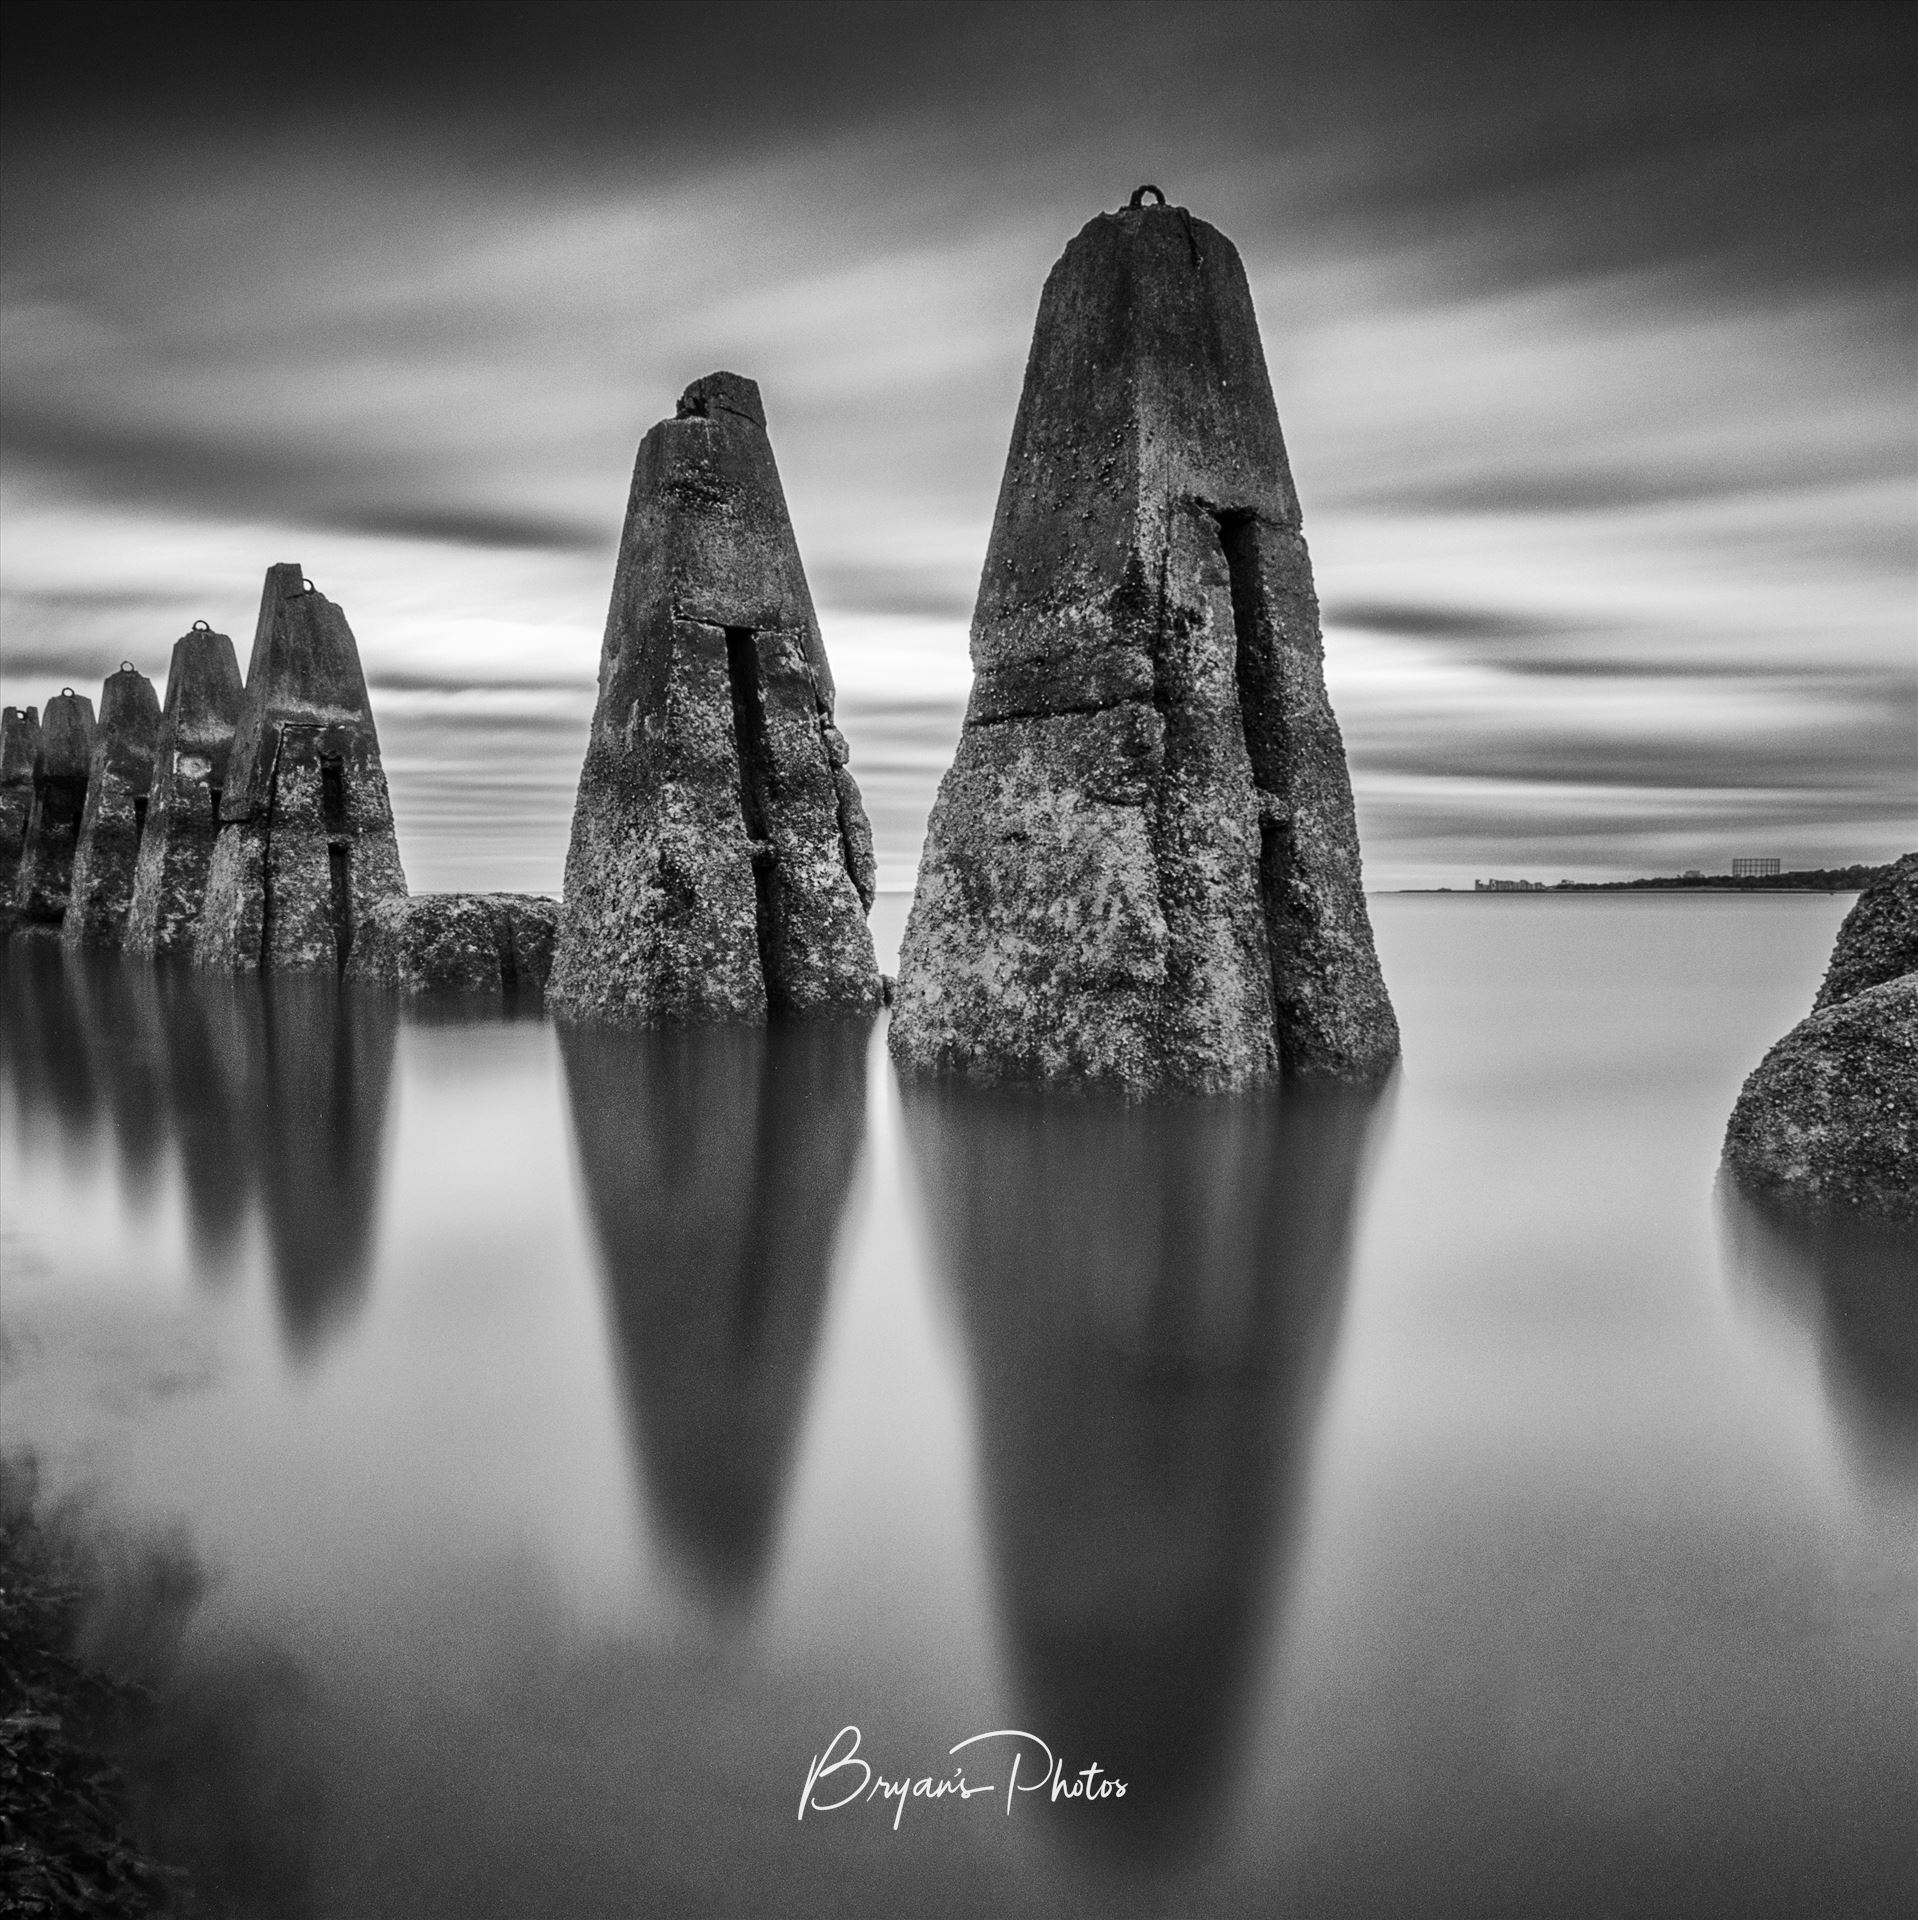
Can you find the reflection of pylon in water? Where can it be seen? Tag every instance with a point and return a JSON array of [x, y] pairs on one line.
[[1150, 1294], [717, 1164], [118, 778]]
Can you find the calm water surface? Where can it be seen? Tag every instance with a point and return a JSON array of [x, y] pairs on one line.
[[1446, 1504]]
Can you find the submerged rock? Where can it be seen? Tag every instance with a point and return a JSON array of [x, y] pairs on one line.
[[1879, 940], [203, 694], [1143, 869], [118, 779], [19, 743], [306, 847], [485, 942], [60, 764], [1827, 1123], [721, 864]]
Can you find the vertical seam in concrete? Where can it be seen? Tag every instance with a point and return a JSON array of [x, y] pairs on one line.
[[838, 803], [755, 770], [1254, 663], [266, 850], [339, 853]]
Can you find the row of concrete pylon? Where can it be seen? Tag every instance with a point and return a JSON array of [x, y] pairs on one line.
[[1142, 869], [244, 824]]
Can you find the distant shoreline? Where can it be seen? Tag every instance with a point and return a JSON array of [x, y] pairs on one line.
[[1811, 880]]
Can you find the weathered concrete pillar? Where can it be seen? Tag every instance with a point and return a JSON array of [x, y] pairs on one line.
[[1142, 869], [203, 693], [19, 743], [720, 864], [118, 778], [306, 846], [207, 1022], [60, 765]]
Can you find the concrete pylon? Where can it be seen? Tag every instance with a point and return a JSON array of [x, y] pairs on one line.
[[203, 694], [306, 846], [721, 864], [118, 779], [1143, 869], [60, 764], [19, 742]]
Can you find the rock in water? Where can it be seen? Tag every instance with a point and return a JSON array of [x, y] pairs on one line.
[[118, 779], [1827, 1122], [19, 743], [203, 693], [1142, 869], [306, 847], [60, 764], [721, 864], [480, 942], [1879, 940]]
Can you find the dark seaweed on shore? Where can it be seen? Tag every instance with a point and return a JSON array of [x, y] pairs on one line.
[[65, 1846]]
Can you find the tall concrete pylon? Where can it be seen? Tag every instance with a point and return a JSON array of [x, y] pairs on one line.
[[721, 865], [203, 695], [62, 757], [118, 778], [1142, 870], [306, 847], [19, 744]]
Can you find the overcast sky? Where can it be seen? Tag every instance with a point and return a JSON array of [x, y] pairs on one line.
[[1592, 334]]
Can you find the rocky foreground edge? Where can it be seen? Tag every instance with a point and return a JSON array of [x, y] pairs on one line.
[[1827, 1123]]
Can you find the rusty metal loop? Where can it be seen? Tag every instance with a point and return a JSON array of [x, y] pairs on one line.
[[1139, 194], [66, 693], [306, 586], [200, 626], [127, 666]]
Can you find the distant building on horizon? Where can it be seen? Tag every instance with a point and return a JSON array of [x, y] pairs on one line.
[[1755, 867], [1510, 886]]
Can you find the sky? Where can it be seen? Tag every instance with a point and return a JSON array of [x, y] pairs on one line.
[[1591, 330]]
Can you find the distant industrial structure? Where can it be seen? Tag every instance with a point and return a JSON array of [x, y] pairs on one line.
[[1758, 873]]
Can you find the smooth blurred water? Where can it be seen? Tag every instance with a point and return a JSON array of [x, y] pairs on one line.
[[1448, 1504]]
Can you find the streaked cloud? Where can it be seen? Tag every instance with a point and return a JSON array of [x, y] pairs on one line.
[[1590, 333]]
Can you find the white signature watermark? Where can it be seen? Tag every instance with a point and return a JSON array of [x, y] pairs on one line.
[[840, 1777]]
